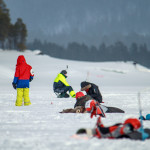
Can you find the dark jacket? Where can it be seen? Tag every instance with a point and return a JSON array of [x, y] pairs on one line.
[[92, 90], [60, 82]]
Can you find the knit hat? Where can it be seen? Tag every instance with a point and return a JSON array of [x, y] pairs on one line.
[[79, 94], [63, 72]]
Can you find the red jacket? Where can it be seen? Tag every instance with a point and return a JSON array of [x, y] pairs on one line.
[[23, 73]]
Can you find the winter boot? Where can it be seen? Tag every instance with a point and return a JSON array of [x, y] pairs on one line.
[[63, 95]]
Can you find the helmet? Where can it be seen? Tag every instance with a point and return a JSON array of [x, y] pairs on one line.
[[79, 94], [134, 122], [63, 72], [148, 117]]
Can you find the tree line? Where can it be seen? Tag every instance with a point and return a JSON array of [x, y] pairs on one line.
[[114, 52], [12, 36]]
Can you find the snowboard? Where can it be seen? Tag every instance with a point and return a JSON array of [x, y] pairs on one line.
[[114, 110]]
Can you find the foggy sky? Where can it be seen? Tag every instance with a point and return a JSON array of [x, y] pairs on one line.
[[87, 21]]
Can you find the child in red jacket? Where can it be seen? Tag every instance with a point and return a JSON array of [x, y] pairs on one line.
[[23, 75]]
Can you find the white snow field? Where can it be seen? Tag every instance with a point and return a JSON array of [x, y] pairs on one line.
[[41, 126]]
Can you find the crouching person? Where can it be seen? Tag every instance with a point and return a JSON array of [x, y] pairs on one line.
[[61, 87], [23, 75]]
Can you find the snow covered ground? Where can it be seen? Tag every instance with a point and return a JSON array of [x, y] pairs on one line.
[[41, 126]]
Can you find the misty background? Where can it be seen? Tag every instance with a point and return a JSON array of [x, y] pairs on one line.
[[85, 21], [87, 30]]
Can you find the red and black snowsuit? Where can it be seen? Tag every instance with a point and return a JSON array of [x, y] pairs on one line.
[[118, 130]]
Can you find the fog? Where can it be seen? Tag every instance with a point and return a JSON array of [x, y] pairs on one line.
[[84, 21]]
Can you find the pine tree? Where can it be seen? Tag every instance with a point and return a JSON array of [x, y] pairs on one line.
[[4, 23], [11, 36], [20, 34], [133, 50]]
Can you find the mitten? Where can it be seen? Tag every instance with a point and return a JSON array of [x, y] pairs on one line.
[[14, 85], [30, 79]]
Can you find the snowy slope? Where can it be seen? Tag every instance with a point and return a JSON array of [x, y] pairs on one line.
[[41, 126]]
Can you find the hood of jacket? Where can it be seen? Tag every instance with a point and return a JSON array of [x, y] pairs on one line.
[[21, 60], [85, 85]]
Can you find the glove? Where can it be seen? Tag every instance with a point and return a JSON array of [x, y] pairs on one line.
[[30, 79], [14, 85], [72, 93]]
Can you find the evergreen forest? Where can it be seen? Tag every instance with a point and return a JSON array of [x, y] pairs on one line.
[[13, 36]]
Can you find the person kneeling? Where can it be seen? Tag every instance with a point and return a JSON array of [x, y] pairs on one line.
[[61, 87]]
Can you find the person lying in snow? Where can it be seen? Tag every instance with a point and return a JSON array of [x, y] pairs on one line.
[[128, 129], [82, 102], [23, 75], [61, 87], [92, 90]]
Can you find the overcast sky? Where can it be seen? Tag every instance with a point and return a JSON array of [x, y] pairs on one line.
[[81, 20]]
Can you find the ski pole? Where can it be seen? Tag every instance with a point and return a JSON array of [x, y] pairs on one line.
[[144, 135], [66, 67]]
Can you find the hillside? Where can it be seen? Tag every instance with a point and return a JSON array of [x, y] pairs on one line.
[[41, 126]]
